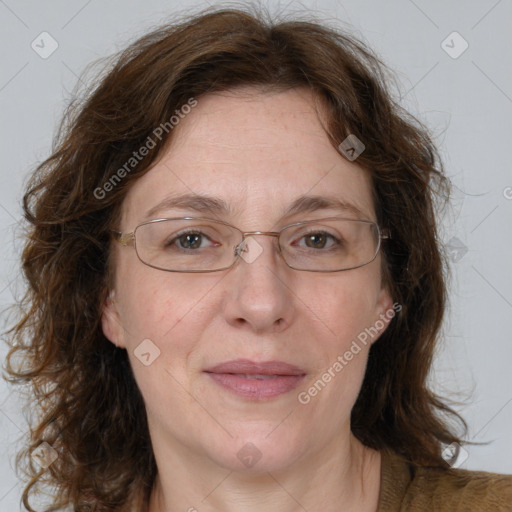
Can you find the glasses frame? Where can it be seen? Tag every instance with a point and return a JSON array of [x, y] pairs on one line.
[[130, 239]]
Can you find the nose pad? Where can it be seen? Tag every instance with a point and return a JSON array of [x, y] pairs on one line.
[[248, 249], [238, 249]]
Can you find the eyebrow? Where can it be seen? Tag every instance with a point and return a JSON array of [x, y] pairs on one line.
[[308, 204], [212, 205], [196, 202]]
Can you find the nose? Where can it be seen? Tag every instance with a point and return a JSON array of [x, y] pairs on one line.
[[259, 296]]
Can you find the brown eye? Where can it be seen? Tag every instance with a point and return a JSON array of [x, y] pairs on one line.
[[190, 241], [316, 241]]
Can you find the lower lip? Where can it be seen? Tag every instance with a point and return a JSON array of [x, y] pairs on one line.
[[257, 389]]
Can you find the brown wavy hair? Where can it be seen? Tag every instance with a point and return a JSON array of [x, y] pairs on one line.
[[85, 401]]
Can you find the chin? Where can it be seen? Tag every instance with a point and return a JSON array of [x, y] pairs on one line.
[[257, 452]]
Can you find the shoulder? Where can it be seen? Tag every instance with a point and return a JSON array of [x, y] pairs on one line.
[[405, 487], [457, 489]]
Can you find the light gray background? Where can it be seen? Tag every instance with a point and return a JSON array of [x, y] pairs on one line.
[[467, 101]]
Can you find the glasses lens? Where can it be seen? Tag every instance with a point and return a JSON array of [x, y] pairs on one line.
[[330, 245], [187, 245]]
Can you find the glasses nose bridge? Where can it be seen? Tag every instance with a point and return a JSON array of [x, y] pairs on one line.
[[275, 234], [245, 234], [264, 233]]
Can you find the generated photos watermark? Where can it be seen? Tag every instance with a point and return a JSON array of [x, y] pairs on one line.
[[137, 156], [454, 45], [454, 455], [44, 45], [363, 338], [146, 352], [44, 455], [351, 147]]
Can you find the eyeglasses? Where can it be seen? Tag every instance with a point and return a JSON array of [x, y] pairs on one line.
[[194, 244]]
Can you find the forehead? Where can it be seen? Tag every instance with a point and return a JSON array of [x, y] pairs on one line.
[[257, 152]]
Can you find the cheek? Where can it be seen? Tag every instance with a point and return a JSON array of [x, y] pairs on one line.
[[160, 317], [171, 311], [153, 304], [346, 307], [346, 303]]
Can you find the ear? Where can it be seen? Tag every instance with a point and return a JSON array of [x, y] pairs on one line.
[[111, 322], [385, 310]]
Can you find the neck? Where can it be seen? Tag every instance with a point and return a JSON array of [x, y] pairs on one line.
[[345, 477]]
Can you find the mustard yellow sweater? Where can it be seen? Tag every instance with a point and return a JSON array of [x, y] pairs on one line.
[[406, 488]]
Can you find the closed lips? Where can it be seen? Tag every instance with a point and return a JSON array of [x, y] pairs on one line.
[[256, 381], [250, 368]]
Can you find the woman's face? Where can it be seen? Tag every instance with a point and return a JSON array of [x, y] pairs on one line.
[[256, 155]]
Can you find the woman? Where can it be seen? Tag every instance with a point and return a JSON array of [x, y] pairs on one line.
[[235, 285]]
